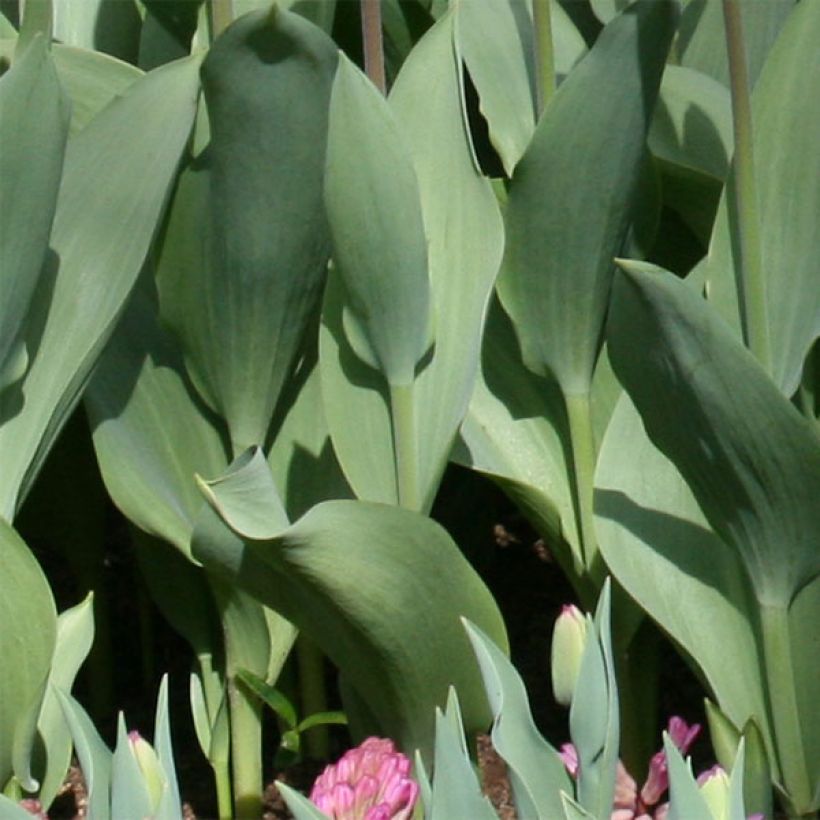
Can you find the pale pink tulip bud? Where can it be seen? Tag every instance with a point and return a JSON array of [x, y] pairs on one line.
[[569, 637], [370, 782], [714, 786], [152, 772]]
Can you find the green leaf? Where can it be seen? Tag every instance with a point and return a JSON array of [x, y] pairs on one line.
[[497, 43], [464, 240], [34, 115], [110, 26], [75, 634], [170, 805], [574, 811], [702, 41], [456, 790], [659, 546], [374, 211], [151, 434], [570, 198], [246, 493], [594, 718], [686, 800], [537, 774], [93, 755], [130, 796], [364, 581], [12, 811], [27, 641], [786, 127], [111, 197], [249, 229], [751, 460], [301, 807], [304, 466], [269, 695], [323, 719]]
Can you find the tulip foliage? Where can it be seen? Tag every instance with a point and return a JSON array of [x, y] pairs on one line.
[[571, 247]]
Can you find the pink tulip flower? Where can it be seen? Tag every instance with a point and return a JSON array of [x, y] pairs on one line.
[[370, 782]]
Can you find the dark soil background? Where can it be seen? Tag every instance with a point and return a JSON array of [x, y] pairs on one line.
[[514, 562]]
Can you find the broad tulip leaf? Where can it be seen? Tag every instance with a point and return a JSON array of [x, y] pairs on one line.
[[512, 432], [111, 198], [658, 544], [464, 237], [497, 44], [702, 38], [90, 79], [249, 247], [28, 633], [75, 634], [570, 198], [751, 460], [786, 129], [301, 458], [109, 26], [34, 115], [151, 432], [380, 590], [374, 211], [537, 774]]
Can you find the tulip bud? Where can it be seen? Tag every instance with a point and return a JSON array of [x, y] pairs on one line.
[[152, 772], [714, 787], [569, 638]]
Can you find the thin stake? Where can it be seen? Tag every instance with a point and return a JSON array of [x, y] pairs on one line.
[[373, 44]]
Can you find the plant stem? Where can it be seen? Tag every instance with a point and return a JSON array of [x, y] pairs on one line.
[[404, 444], [246, 743], [780, 679], [582, 445], [313, 694], [222, 779], [743, 211], [544, 62], [372, 43], [220, 16]]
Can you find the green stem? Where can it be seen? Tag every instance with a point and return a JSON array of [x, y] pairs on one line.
[[404, 445], [313, 695], [222, 779], [751, 286], [246, 743], [220, 16], [372, 43], [582, 444], [544, 62], [780, 679]]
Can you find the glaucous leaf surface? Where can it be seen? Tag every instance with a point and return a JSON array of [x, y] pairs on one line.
[[380, 590], [537, 773], [659, 546], [75, 634], [702, 39], [111, 198], [34, 115], [249, 248], [751, 460], [28, 633], [464, 245], [570, 197], [151, 433], [786, 130], [374, 213]]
